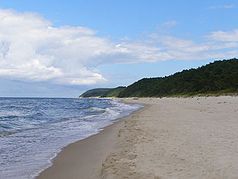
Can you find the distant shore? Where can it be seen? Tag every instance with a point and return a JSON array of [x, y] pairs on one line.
[[170, 138]]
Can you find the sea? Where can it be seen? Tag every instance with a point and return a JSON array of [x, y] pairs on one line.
[[34, 130]]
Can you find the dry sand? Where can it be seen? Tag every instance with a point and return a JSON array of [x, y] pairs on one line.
[[180, 138]]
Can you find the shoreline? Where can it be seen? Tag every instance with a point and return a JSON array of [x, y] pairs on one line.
[[67, 153], [169, 138]]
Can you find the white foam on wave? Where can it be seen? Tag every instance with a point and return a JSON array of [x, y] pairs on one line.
[[25, 154]]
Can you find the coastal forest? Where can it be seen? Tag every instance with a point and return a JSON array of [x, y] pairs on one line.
[[219, 77]]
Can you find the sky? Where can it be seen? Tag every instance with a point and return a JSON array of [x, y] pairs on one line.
[[52, 48]]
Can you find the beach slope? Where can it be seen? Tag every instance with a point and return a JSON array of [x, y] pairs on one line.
[[170, 138]]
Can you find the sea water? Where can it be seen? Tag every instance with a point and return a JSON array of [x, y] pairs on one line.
[[34, 130]]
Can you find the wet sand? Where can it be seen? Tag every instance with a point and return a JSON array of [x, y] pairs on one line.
[[170, 138]]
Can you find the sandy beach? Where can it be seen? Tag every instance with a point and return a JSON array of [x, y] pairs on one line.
[[179, 138]]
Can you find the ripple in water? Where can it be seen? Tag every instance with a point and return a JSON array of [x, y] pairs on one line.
[[33, 131]]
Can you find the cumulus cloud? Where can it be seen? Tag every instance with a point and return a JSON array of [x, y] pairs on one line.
[[31, 48]]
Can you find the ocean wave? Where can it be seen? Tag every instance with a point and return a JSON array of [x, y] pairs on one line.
[[35, 133]]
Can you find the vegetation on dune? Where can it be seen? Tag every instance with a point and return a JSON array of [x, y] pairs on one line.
[[216, 77], [98, 92], [103, 92], [219, 77], [114, 92]]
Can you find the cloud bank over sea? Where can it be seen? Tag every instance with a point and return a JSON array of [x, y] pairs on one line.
[[33, 49]]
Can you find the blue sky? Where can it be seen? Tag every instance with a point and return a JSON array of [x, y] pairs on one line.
[[119, 42]]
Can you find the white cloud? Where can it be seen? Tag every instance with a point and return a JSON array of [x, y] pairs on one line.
[[225, 6], [32, 49], [169, 24], [183, 49], [231, 36]]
